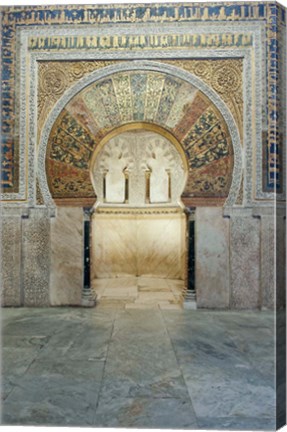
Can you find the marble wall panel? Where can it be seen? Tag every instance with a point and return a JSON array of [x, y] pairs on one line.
[[66, 278], [161, 245], [10, 228], [280, 261], [138, 245], [245, 262], [267, 261], [36, 257], [212, 258], [114, 248]]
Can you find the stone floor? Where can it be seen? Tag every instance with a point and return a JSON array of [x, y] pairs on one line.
[[140, 292], [112, 367]]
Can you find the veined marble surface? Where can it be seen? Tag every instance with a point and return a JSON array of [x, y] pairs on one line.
[[212, 258], [140, 292], [66, 276], [107, 367], [138, 245]]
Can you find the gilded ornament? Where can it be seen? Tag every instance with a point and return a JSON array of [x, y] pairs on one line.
[[77, 70], [213, 73], [201, 130], [203, 69], [226, 79], [53, 81]]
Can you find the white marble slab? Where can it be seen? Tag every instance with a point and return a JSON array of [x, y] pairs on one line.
[[66, 278], [212, 258], [138, 245]]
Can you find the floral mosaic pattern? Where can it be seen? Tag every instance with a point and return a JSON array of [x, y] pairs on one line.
[[151, 97]]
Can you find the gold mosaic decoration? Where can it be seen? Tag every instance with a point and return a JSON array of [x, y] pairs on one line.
[[148, 97], [55, 77], [224, 76]]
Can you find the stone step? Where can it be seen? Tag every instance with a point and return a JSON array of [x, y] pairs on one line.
[[153, 289], [154, 297], [141, 306], [169, 306]]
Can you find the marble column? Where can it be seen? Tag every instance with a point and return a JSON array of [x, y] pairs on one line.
[[190, 293], [88, 300], [10, 226], [36, 257]]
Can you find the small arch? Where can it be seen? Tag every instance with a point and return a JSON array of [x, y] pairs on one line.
[[138, 126], [130, 151]]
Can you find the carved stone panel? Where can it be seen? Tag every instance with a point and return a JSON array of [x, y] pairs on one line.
[[36, 258], [115, 161], [267, 261], [245, 262], [158, 166], [10, 227]]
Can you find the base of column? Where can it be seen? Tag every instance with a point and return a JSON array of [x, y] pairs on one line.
[[190, 300], [191, 305], [88, 300]]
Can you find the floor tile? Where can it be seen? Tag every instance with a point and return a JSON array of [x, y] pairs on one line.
[[51, 401], [236, 423], [16, 361], [111, 366], [145, 413]]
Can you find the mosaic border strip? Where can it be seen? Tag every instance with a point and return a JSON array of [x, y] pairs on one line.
[[276, 25]]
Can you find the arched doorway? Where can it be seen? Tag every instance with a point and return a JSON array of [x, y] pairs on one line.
[[148, 93], [138, 226]]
